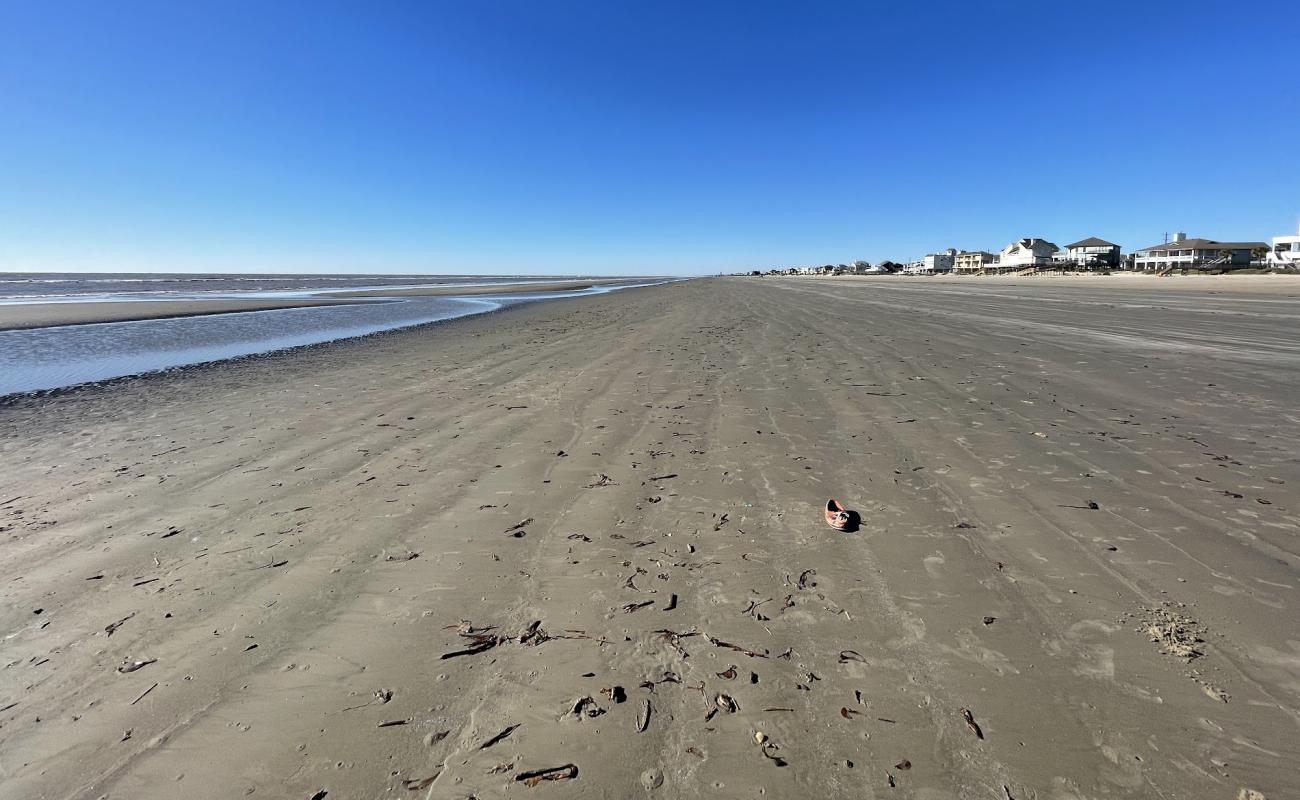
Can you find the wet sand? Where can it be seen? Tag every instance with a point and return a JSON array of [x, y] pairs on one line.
[[588, 532], [508, 288], [48, 315]]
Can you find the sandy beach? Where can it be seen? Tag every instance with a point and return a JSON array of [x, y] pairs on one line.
[[1275, 284], [576, 549]]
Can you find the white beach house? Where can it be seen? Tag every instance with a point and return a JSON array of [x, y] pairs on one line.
[[1024, 253], [1285, 252], [939, 262]]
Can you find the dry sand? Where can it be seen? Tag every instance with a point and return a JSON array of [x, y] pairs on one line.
[[1214, 284], [618, 500]]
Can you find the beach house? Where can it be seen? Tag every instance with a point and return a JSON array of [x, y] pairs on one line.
[[1195, 253], [1092, 252], [1029, 252], [939, 262], [1285, 252], [968, 261]]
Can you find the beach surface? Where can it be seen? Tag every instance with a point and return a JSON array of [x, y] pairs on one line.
[[576, 549], [1277, 284]]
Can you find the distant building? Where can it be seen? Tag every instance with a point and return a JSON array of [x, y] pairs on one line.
[[973, 261], [938, 262], [1285, 252], [1092, 252], [913, 268], [1185, 253], [867, 268], [1024, 253]]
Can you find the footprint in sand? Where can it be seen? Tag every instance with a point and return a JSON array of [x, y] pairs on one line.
[[1096, 659], [1125, 767], [971, 648], [934, 565]]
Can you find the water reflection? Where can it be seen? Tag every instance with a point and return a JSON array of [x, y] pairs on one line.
[[47, 358]]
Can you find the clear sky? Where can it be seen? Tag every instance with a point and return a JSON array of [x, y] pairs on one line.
[[632, 137]]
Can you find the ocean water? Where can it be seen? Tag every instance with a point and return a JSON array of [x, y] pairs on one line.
[[66, 355], [45, 287]]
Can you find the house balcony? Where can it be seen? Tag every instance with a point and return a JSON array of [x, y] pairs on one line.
[[1185, 258]]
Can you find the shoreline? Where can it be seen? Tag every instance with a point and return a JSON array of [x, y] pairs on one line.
[[45, 374], [505, 288], [405, 559], [26, 316], [185, 372]]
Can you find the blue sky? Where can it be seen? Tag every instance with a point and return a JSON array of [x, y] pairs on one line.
[[622, 137]]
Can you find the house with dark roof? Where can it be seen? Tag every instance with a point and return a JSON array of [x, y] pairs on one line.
[[1196, 253], [1092, 252]]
